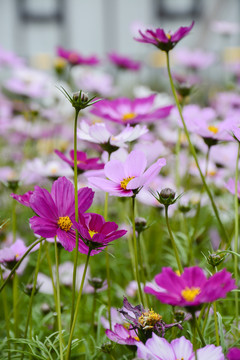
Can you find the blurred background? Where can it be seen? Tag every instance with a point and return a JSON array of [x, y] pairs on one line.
[[33, 28]]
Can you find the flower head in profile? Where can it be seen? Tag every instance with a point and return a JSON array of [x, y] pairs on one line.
[[181, 348], [126, 111], [23, 199], [124, 62], [74, 58], [191, 288], [163, 41], [83, 163], [55, 211], [127, 178], [95, 233]]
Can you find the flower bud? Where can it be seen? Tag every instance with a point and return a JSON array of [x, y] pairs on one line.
[[107, 347], [28, 289], [167, 196], [179, 315], [80, 95], [216, 259], [140, 224], [45, 308], [96, 282]]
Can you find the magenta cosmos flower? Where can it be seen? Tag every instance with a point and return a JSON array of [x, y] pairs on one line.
[[163, 41], [23, 199], [75, 58], [233, 354], [192, 287], [126, 111], [95, 233], [83, 163], [124, 62], [56, 211], [122, 335], [160, 349], [125, 179]]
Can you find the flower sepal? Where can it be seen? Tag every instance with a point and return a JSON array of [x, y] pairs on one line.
[[79, 100]]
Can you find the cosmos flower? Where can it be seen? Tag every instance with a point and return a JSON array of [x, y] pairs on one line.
[[100, 134], [23, 199], [191, 288], [160, 349], [56, 211], [194, 59], [124, 62], [95, 233], [122, 335], [75, 58], [83, 163], [233, 354], [126, 111], [163, 41], [127, 178], [230, 185]]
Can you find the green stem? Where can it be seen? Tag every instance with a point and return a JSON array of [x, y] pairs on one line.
[[108, 267], [77, 306], [32, 295], [192, 149], [58, 302], [177, 149], [15, 304], [143, 278], [206, 318], [173, 242], [6, 315], [198, 329], [19, 262], [136, 252], [94, 308], [14, 220], [76, 215], [236, 237], [216, 323]]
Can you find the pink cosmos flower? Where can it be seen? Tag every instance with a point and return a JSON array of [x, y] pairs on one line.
[[83, 163], [160, 349], [122, 335], [192, 287], [127, 111], [125, 179], [194, 59], [233, 354], [56, 211], [163, 41], [95, 233], [75, 58], [230, 185], [124, 62], [23, 199]]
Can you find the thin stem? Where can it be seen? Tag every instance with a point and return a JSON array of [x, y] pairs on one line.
[[173, 242], [177, 149], [216, 323], [77, 306], [136, 253], [6, 315], [58, 302], [143, 278], [198, 329], [108, 267], [15, 303], [94, 308], [14, 220], [32, 295], [236, 237], [206, 318], [76, 215], [192, 149], [19, 262]]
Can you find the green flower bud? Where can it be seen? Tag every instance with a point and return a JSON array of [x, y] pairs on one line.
[[167, 196], [216, 259], [140, 224], [96, 282]]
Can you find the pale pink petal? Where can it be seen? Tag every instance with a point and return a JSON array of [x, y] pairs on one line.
[[135, 164]]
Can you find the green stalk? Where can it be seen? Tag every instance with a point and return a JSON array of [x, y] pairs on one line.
[[216, 323], [206, 318], [136, 253], [198, 329], [143, 278], [6, 315], [173, 242], [236, 237], [77, 306], [32, 295], [15, 279], [19, 263], [177, 149], [108, 267], [76, 215], [58, 302], [192, 149]]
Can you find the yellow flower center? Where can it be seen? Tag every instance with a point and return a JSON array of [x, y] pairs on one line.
[[213, 129], [92, 232], [178, 273], [60, 63], [124, 182], [211, 173], [65, 223], [128, 116], [168, 36], [149, 318], [189, 294]]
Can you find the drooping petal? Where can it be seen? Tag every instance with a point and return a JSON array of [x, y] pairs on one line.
[[67, 239], [43, 227]]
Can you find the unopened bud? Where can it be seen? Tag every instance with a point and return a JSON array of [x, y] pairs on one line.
[[216, 259], [45, 308], [167, 196], [140, 224], [80, 96], [107, 347], [96, 282], [179, 315], [29, 288]]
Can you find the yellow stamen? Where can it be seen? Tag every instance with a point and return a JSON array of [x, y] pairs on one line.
[[59, 63], [168, 36], [65, 223], [211, 173], [92, 232], [128, 116], [213, 129], [189, 294], [125, 181], [149, 318], [177, 272]]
